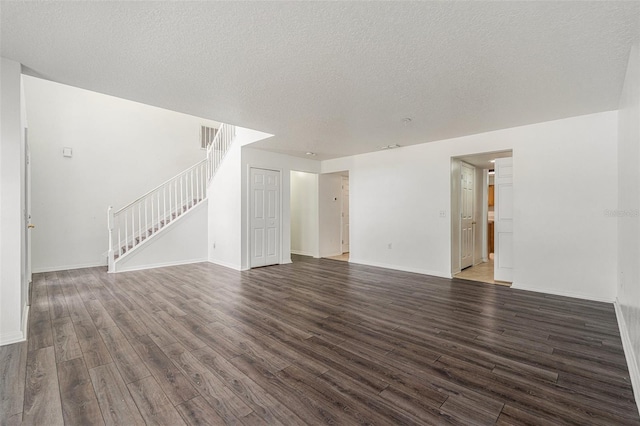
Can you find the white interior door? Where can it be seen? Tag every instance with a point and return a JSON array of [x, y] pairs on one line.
[[467, 173], [503, 211], [345, 214], [265, 217]]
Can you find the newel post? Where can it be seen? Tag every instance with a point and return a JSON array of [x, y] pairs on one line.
[[110, 222]]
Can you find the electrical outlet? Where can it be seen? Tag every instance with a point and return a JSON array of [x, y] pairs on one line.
[[443, 213]]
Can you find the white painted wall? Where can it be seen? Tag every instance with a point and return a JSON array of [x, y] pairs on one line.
[[12, 297], [252, 157], [182, 241], [564, 245], [225, 211], [304, 214], [246, 136], [628, 300], [330, 203], [121, 149]]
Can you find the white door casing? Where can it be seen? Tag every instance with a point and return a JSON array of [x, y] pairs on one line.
[[264, 217], [345, 214], [467, 173], [503, 208], [27, 220]]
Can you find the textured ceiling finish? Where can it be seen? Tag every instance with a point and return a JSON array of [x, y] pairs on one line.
[[336, 78]]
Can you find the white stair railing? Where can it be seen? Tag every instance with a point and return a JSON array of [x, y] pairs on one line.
[[140, 219], [218, 148]]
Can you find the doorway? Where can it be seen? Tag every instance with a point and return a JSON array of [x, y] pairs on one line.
[[474, 255], [344, 226], [320, 215], [467, 215], [344, 222], [304, 216], [334, 210], [28, 226], [264, 217]]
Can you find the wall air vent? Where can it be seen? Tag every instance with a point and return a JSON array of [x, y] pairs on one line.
[[207, 134]]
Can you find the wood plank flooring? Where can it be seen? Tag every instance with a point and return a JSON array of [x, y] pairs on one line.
[[317, 341]]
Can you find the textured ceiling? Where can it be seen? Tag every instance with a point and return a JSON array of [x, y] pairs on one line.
[[336, 78]]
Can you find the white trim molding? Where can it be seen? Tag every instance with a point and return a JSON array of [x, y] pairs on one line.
[[227, 265], [14, 337], [301, 253], [9, 338], [401, 268], [518, 286], [40, 270], [630, 356], [335, 253], [25, 320], [162, 265], [17, 336]]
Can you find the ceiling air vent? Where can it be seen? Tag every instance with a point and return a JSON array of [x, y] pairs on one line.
[[206, 136]]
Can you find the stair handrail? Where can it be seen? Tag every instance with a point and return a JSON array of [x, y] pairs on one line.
[[159, 186], [218, 148], [142, 218]]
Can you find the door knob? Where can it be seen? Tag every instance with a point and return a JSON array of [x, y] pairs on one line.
[[31, 226]]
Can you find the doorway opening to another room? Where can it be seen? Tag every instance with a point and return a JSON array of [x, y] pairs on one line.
[[475, 253], [335, 235], [320, 219]]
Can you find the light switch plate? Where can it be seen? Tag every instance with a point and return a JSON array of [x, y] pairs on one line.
[[67, 152]]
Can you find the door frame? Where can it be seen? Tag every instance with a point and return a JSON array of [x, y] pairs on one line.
[[342, 214], [454, 204], [248, 211], [27, 285], [464, 164]]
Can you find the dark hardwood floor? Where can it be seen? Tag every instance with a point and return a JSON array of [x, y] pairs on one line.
[[316, 341]]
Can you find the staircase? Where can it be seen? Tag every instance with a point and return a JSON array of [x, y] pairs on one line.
[[149, 215]]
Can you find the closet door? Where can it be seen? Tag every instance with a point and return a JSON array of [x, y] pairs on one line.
[[264, 217]]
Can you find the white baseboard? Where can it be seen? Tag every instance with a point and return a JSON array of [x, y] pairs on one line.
[[555, 292], [227, 265], [339, 253], [25, 321], [401, 268], [17, 336], [9, 338], [303, 253], [632, 361], [159, 265], [68, 267]]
